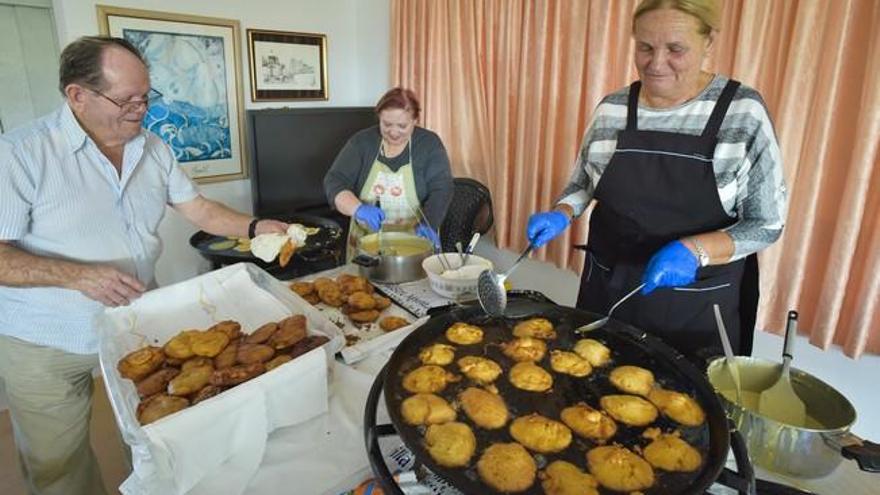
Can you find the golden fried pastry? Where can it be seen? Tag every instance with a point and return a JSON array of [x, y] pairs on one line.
[[262, 334], [486, 410], [524, 349], [540, 433], [232, 329], [361, 301], [632, 379], [349, 284], [529, 376], [307, 344], [159, 406], [593, 351], [331, 295], [539, 328], [588, 422], [323, 282], [391, 323], [180, 346], [507, 467], [156, 382], [479, 369], [254, 353], [170, 361], [451, 444], [312, 298], [208, 344], [464, 334], [277, 361], [619, 469], [426, 409], [290, 331], [367, 316], [286, 253], [303, 288], [190, 380], [629, 409], [206, 392], [671, 453], [227, 357], [140, 363], [439, 354], [427, 379], [679, 407], [564, 478], [196, 362], [237, 374], [569, 363], [382, 302]]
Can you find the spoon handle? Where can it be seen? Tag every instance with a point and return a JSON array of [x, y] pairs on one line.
[[788, 346], [522, 256], [725, 342], [624, 298]]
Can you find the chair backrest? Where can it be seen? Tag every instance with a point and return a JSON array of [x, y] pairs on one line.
[[470, 211]]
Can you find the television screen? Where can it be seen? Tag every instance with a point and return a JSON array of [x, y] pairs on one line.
[[292, 148]]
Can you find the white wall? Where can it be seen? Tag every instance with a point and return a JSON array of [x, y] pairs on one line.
[[358, 66]]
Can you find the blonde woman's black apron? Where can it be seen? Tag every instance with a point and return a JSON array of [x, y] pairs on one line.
[[659, 187]]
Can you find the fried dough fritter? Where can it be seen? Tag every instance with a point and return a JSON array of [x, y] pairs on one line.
[[367, 316], [205, 393], [538, 328], [593, 351], [569, 363], [529, 376], [632, 379], [331, 295], [564, 478], [227, 357], [349, 284], [237, 374], [361, 301], [312, 298], [524, 349], [303, 288], [307, 344], [196, 362], [540, 434], [232, 329], [209, 343], [382, 302], [619, 469], [191, 380], [254, 353], [321, 282], [629, 409], [428, 379], [588, 422], [679, 407], [451, 444], [439, 354], [180, 346], [290, 331], [464, 334], [479, 369], [156, 382], [671, 453], [391, 323], [426, 409], [159, 406], [485, 409], [140, 363], [507, 467], [262, 334], [287, 250]]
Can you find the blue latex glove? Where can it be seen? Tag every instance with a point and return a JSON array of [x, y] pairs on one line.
[[427, 232], [674, 265], [545, 226], [369, 215]]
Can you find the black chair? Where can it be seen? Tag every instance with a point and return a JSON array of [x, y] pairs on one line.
[[470, 211]]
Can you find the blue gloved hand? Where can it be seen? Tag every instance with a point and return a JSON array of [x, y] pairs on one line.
[[545, 226], [427, 232], [674, 265], [369, 215]]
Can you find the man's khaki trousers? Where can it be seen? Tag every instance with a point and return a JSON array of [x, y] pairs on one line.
[[50, 401]]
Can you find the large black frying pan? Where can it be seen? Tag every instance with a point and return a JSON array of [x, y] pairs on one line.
[[628, 345], [327, 239]]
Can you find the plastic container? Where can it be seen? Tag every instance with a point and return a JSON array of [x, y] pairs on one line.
[[458, 280]]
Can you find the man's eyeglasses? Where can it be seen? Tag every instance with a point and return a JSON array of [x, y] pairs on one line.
[[132, 105]]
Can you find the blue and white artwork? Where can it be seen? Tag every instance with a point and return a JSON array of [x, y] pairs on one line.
[[190, 71]]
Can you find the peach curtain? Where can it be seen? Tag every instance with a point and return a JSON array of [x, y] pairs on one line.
[[510, 86]]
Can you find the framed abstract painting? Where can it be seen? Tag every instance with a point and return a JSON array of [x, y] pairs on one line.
[[194, 64], [287, 66]]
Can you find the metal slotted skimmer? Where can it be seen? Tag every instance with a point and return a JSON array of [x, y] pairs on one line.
[[490, 286]]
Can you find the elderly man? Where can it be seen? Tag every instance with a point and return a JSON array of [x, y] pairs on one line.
[[82, 192]]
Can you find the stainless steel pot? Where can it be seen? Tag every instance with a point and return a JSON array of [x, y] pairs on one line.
[[811, 450], [392, 257]]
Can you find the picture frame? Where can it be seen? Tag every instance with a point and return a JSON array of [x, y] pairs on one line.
[[287, 66], [194, 62]]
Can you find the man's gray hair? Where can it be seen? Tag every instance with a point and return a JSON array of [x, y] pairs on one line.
[[81, 60]]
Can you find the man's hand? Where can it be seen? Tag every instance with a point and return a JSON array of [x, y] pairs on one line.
[[105, 284]]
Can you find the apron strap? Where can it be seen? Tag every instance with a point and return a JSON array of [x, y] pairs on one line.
[[721, 106], [632, 120]]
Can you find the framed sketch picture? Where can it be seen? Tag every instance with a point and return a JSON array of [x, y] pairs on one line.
[[287, 66], [194, 64]]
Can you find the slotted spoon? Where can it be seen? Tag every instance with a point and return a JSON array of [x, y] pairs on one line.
[[780, 402], [490, 286], [602, 321]]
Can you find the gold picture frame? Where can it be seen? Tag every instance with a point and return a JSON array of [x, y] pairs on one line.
[[287, 66], [195, 62]]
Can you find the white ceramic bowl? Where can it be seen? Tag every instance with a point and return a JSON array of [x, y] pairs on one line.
[[457, 281]]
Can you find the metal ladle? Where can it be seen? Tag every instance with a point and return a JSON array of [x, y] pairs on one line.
[[490, 286], [602, 321]]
